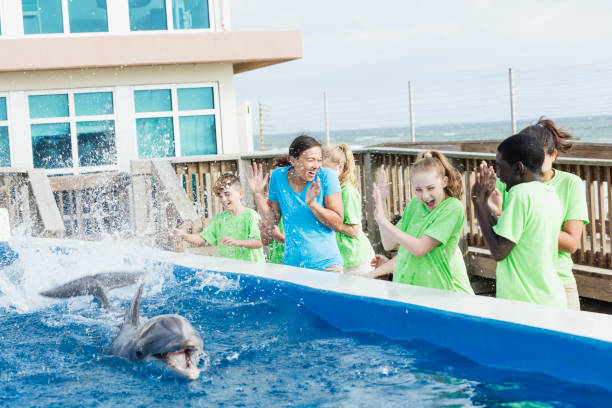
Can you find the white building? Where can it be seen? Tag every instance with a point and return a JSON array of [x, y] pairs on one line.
[[88, 85]]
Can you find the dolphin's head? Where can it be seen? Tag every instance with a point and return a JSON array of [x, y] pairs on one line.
[[172, 340]]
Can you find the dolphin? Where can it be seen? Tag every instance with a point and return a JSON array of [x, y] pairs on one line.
[[169, 339]]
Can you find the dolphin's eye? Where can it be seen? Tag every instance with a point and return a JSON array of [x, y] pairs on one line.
[[139, 353]]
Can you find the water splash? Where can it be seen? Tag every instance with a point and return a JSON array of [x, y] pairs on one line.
[[41, 265]]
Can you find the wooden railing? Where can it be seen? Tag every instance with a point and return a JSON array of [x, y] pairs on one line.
[[198, 175], [164, 194], [27, 196]]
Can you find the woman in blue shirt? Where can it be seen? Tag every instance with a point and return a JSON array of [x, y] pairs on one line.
[[309, 199]]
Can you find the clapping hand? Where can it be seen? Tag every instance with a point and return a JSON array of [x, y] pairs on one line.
[[485, 183], [313, 191]]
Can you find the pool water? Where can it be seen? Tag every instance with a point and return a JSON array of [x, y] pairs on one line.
[[262, 346]]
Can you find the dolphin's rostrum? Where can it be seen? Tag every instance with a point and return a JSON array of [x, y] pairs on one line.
[[168, 338]]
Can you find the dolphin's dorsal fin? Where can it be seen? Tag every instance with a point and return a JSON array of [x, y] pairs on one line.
[[100, 294], [131, 315]]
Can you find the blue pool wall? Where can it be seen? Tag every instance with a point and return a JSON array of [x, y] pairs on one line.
[[486, 341]]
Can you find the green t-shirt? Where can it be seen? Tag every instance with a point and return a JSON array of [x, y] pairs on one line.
[[354, 250], [241, 227], [532, 220], [443, 267], [277, 249], [572, 197], [501, 186]]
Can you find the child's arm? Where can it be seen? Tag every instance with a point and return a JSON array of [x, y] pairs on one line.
[[499, 246], [381, 189], [278, 236], [332, 214], [384, 269], [194, 239], [252, 243], [352, 230], [416, 246], [569, 237]]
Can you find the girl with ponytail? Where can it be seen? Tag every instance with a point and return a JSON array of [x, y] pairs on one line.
[[571, 193], [429, 231], [354, 246]]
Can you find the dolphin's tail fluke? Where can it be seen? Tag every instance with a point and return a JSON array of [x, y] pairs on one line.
[[95, 285]]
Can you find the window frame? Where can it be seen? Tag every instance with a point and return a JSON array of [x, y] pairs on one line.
[[170, 20], [72, 119], [7, 123], [175, 114], [66, 22]]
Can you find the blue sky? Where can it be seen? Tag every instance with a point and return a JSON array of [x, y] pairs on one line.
[[456, 53]]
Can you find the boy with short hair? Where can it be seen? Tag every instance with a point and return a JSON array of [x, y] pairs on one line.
[[523, 240], [235, 230]]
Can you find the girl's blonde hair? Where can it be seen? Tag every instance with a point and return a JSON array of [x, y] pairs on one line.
[[342, 154], [436, 161]]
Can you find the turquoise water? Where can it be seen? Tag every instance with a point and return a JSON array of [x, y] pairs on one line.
[[587, 129], [262, 349]]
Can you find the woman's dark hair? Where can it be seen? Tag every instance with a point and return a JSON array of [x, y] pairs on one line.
[[551, 136], [300, 144], [281, 161], [525, 148]]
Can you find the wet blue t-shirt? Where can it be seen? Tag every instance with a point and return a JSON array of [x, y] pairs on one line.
[[308, 242]]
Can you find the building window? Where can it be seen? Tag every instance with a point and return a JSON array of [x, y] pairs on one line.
[[5, 152], [176, 121], [88, 16], [73, 130], [47, 17], [147, 15]]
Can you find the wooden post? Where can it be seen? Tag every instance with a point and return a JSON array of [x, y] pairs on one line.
[[410, 100], [512, 114], [327, 143], [261, 135]]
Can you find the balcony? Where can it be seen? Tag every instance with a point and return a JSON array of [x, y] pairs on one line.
[[246, 50]]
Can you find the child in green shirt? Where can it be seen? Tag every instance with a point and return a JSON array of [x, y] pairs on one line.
[[354, 246], [571, 193], [235, 231], [429, 231], [523, 240]]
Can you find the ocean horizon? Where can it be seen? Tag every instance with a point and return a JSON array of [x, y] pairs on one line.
[[588, 129]]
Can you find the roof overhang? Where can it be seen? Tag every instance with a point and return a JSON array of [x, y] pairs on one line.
[[247, 50]]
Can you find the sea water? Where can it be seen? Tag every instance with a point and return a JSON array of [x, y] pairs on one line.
[[262, 349], [593, 129]]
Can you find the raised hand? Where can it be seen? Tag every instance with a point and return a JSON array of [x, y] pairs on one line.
[[382, 184], [256, 179], [313, 191]]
